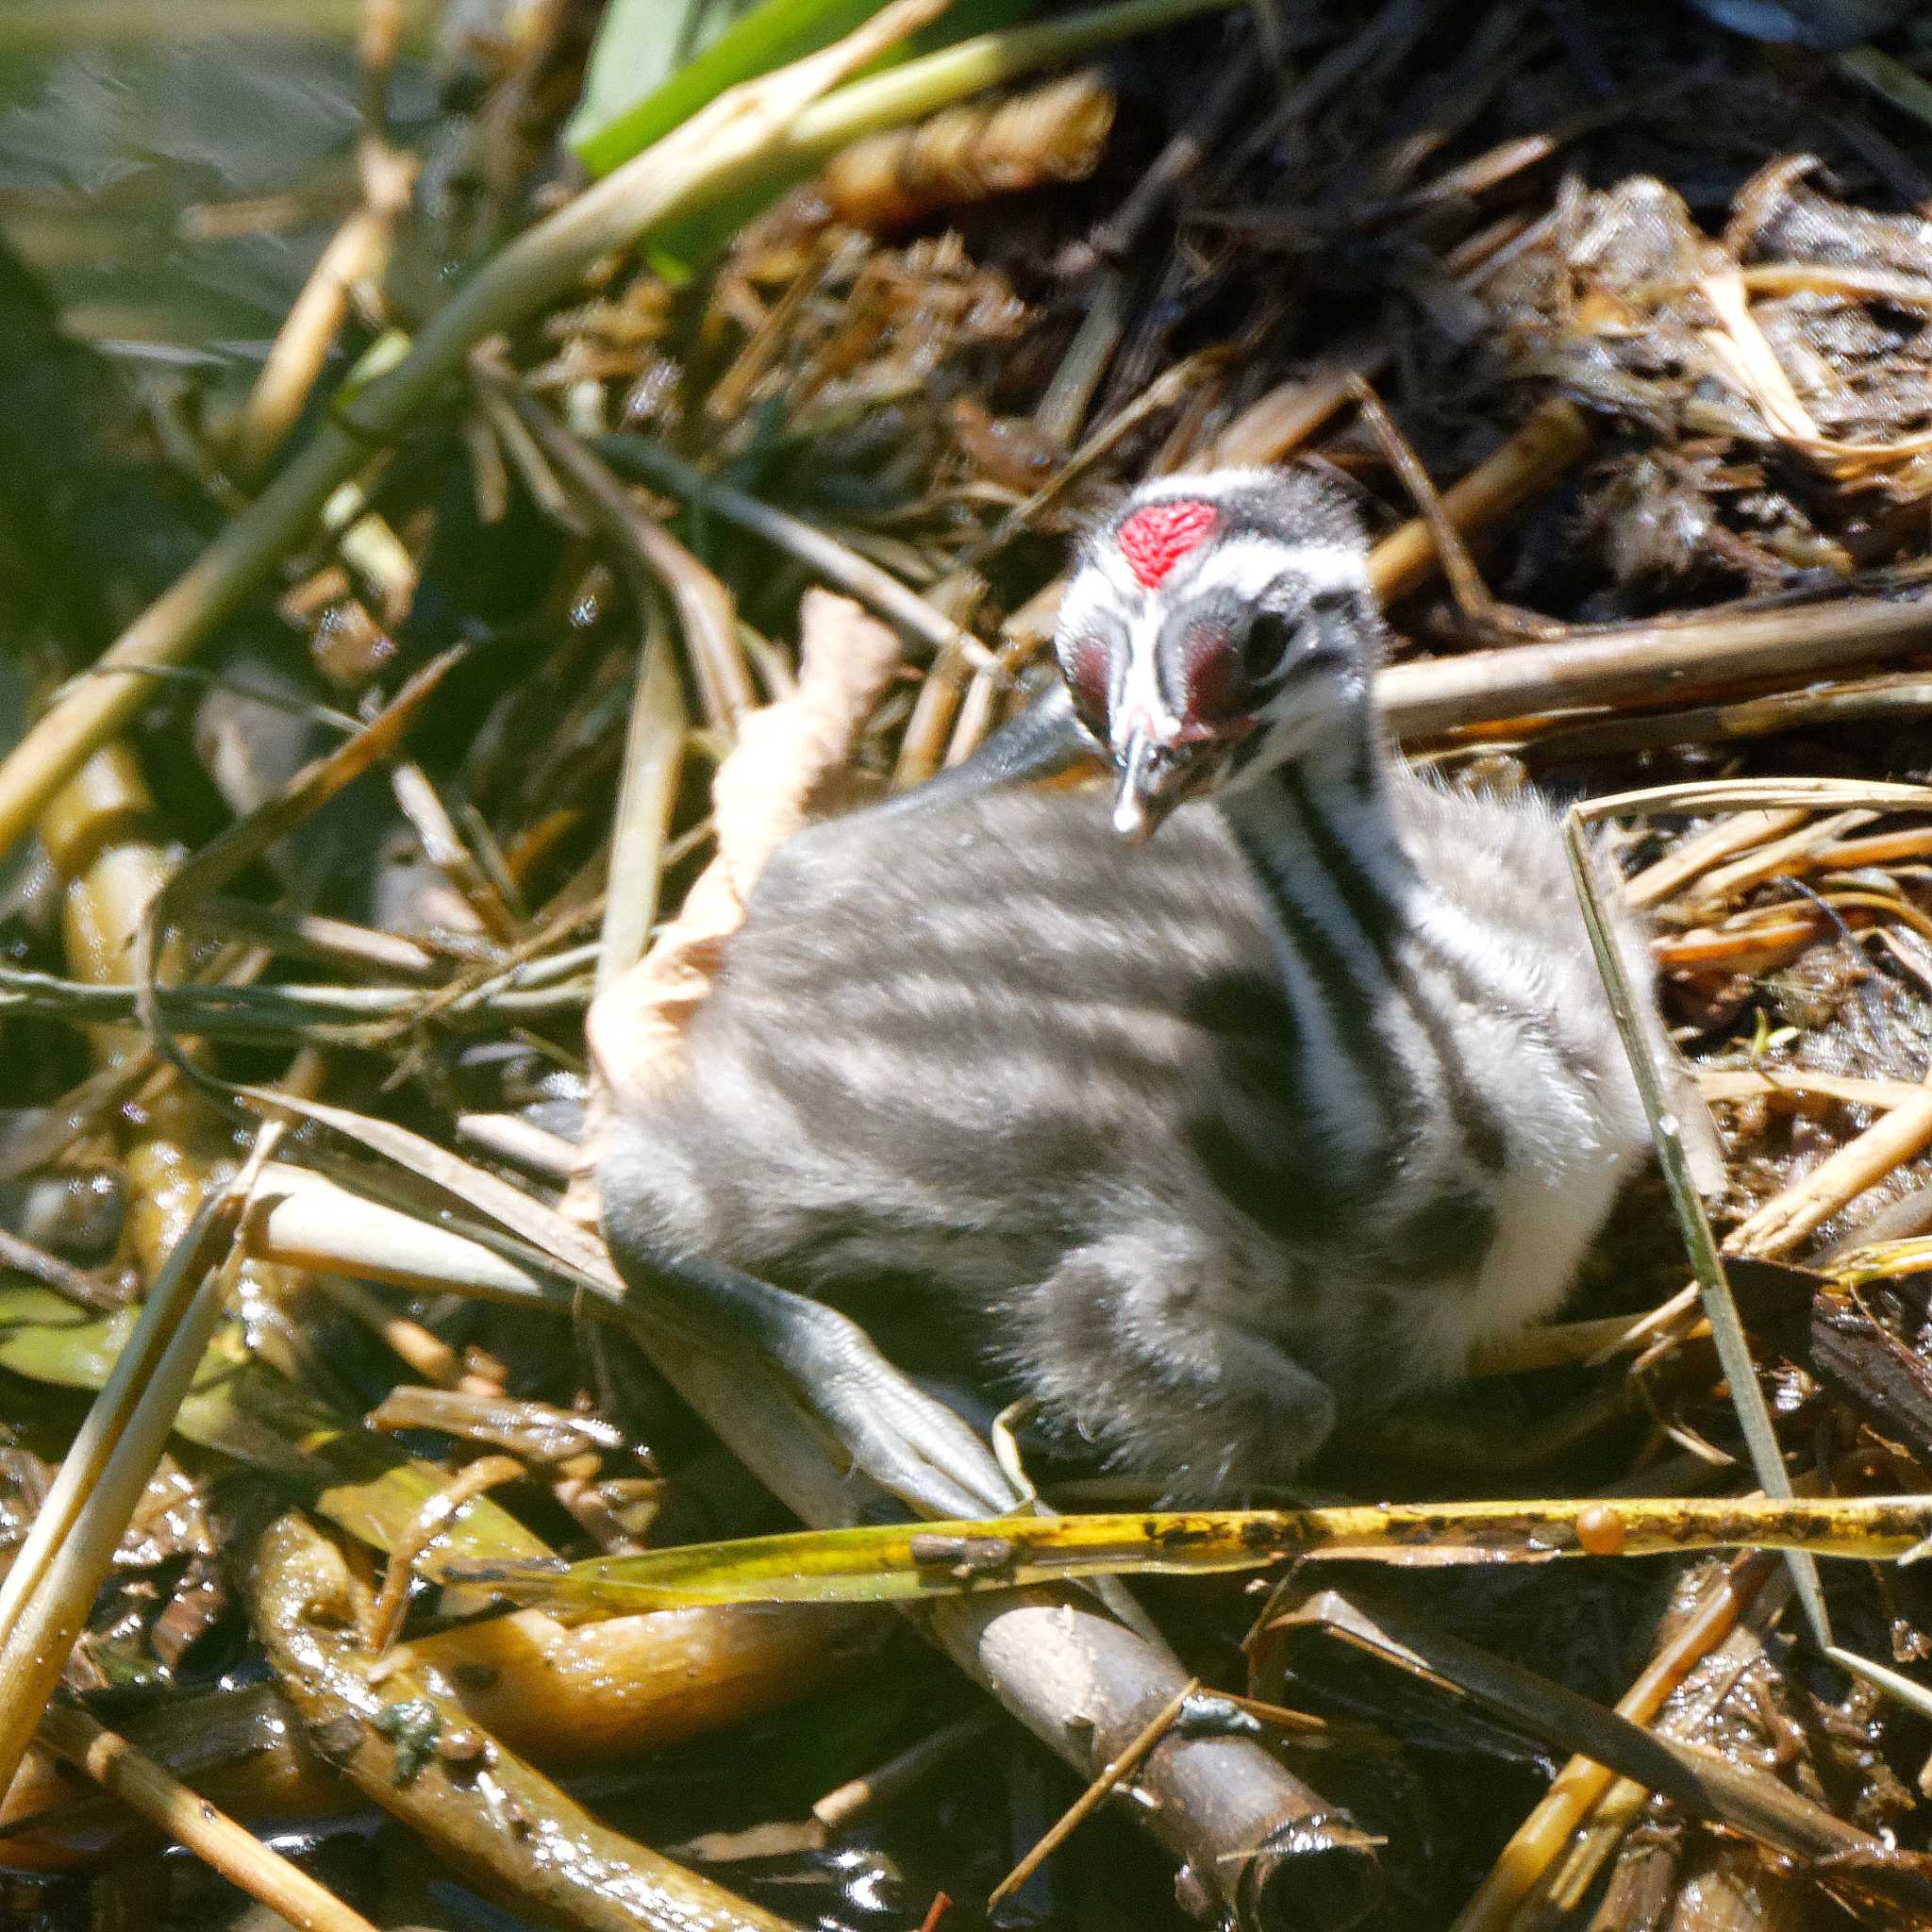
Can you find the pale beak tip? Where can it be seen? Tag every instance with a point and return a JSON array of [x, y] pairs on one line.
[[1131, 819]]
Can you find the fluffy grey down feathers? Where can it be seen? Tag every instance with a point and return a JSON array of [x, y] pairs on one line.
[[1198, 1203]]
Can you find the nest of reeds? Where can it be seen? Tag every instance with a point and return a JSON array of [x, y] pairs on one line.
[[466, 667]]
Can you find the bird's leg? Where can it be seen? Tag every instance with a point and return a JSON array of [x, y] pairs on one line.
[[910, 1443], [1140, 1340]]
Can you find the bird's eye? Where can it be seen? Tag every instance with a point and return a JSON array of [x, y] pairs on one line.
[[1088, 666], [1264, 650]]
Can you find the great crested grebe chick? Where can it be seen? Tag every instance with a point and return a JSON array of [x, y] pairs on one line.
[[1218, 1136]]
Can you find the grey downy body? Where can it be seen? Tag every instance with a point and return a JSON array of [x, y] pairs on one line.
[[1214, 1140], [988, 1053]]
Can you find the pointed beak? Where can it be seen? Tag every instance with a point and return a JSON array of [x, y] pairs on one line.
[[1154, 778]]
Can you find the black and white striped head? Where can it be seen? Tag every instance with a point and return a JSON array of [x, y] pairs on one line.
[[1215, 622]]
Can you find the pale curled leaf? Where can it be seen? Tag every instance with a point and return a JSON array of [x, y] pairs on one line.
[[785, 753]]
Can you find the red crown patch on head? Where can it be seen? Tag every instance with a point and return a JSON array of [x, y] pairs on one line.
[[1155, 539]]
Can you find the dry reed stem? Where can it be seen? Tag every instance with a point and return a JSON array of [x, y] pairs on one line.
[[1678, 867], [1881, 848], [1649, 663], [1582, 1781], [1799, 1084], [422, 1351], [966, 154], [900, 1775], [357, 253], [1556, 1344], [836, 563], [47, 1593], [1121, 1765], [1769, 860], [706, 611], [1742, 352], [1899, 695], [508, 1137], [1756, 948], [302, 1218], [431, 1521], [933, 723], [1783, 1221], [1609, 1820], [1277, 424], [130, 1774], [784, 752], [1711, 1786], [1555, 435], [445, 847], [658, 724]]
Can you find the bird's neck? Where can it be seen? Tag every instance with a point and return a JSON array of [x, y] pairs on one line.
[[1319, 831]]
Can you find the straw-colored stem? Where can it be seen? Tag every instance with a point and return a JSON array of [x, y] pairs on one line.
[[1582, 1781], [47, 1593], [131, 1775], [1119, 1767], [1738, 833], [653, 762], [357, 252], [1782, 1222], [1649, 663]]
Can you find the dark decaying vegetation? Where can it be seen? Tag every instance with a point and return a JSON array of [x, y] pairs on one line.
[[423, 661]]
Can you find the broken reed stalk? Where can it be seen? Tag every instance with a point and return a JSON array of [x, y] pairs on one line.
[[903, 1774], [1735, 833], [1708, 1786], [647, 795], [1726, 1668], [1105, 1783], [833, 562], [1653, 1068], [1785, 1220], [357, 252], [658, 724], [1555, 435], [1632, 663], [1799, 1084], [1903, 695], [130, 1774]]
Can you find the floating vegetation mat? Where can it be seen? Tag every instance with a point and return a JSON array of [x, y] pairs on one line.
[[679, 433]]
